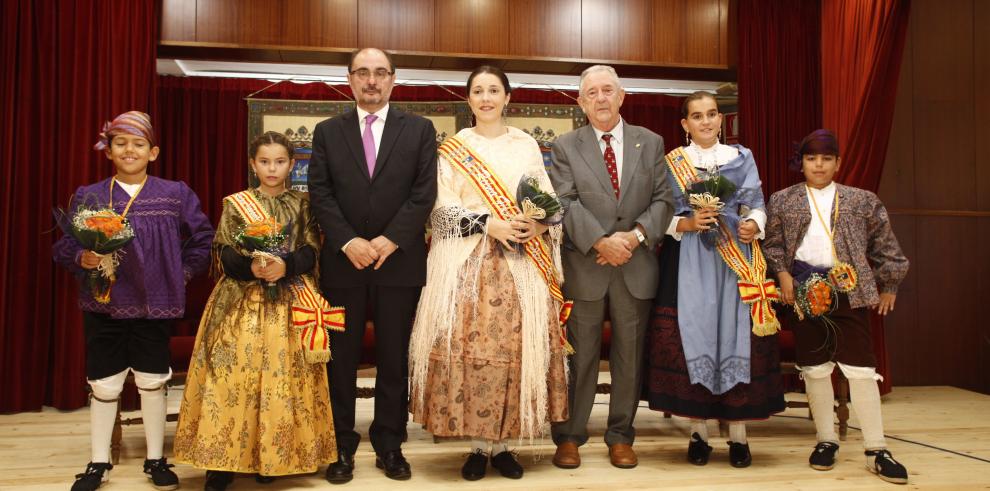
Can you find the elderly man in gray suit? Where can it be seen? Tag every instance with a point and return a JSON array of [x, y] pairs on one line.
[[612, 181]]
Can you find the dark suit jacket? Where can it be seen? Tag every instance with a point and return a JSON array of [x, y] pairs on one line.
[[395, 202]]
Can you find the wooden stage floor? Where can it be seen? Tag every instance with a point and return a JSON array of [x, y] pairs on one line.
[[941, 434]]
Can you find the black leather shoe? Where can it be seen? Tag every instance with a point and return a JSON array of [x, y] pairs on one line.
[[475, 466], [739, 455], [394, 465], [342, 470], [507, 465], [218, 480], [698, 450]]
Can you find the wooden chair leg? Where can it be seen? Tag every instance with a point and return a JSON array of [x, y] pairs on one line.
[[115, 438], [842, 410], [723, 429]]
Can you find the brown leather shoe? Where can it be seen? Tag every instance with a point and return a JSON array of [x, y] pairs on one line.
[[567, 456], [622, 455]]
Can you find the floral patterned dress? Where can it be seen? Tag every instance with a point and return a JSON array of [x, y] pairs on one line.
[[486, 355], [252, 403]]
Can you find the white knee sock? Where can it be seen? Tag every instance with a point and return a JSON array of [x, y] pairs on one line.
[[153, 411], [101, 418], [821, 400], [700, 426], [479, 444], [499, 447], [737, 431], [865, 401]]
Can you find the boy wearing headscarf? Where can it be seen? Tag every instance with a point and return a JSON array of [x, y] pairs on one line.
[[129, 331]]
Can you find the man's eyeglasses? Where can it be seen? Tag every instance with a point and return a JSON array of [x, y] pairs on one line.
[[365, 74]]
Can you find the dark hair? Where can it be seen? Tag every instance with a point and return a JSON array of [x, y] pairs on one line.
[[270, 138], [388, 56], [696, 96], [494, 70], [820, 141]]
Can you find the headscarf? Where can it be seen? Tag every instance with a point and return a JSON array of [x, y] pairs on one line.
[[134, 123]]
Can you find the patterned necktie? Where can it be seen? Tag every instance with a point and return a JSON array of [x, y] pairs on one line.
[[610, 164], [370, 155]]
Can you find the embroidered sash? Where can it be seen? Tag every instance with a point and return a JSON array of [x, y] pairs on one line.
[[755, 289], [311, 313], [504, 207]]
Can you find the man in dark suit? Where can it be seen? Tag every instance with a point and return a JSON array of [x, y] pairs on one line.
[[372, 182]]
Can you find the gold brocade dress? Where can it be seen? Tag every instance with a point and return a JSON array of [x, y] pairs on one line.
[[252, 403]]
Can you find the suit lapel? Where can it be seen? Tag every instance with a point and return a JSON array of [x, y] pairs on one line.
[[352, 135], [393, 126], [630, 158], [593, 157]]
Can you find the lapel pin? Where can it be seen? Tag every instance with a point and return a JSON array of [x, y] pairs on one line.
[[637, 145]]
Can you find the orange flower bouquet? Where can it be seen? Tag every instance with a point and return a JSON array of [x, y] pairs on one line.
[[814, 297], [105, 232], [266, 240]]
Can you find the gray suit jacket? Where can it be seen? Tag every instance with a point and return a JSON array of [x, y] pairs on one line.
[[592, 211]]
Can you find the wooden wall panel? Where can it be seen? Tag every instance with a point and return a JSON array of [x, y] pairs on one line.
[[311, 23], [687, 31], [548, 28], [617, 30], [981, 127], [935, 183], [179, 20], [401, 25], [897, 183], [677, 34], [902, 349], [472, 26], [944, 110], [947, 336]]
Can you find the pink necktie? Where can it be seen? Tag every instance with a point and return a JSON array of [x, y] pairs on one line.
[[370, 155]]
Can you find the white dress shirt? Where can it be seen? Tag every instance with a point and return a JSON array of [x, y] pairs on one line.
[[617, 139], [816, 247], [707, 158]]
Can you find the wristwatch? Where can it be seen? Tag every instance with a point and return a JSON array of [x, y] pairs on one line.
[[639, 236]]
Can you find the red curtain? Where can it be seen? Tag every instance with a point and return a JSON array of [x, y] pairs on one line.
[[68, 67], [862, 47], [866, 39], [779, 91]]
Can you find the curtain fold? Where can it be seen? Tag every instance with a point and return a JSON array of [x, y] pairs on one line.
[[779, 83], [69, 67], [861, 53]]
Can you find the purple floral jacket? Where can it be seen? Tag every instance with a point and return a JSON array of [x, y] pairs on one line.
[[863, 238]]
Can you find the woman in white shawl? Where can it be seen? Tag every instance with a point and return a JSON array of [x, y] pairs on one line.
[[487, 355]]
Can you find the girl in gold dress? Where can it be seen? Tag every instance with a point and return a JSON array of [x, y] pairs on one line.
[[256, 398]]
